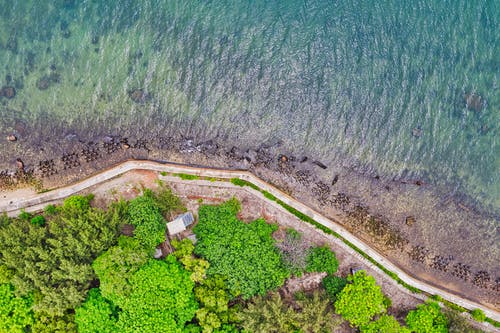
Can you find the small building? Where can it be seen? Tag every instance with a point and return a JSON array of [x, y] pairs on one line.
[[180, 223]]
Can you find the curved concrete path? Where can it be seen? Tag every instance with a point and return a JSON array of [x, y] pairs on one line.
[[36, 202]]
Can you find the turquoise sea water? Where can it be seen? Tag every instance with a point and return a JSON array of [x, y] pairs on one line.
[[404, 89]]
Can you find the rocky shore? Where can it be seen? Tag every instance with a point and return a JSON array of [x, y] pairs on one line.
[[403, 219]]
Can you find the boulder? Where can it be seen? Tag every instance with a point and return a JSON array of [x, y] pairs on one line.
[[8, 92], [474, 102], [12, 138]]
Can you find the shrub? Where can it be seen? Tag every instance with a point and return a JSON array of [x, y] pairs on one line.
[[334, 285], [38, 220], [50, 209], [427, 318], [360, 300], [321, 259], [25, 216], [478, 315]]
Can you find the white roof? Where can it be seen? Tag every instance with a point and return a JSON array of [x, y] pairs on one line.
[[180, 223]]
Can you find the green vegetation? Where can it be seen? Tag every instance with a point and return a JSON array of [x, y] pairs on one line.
[[334, 285], [225, 282], [15, 312], [360, 300], [185, 176], [244, 253], [272, 314], [384, 324], [321, 259], [478, 315], [427, 318]]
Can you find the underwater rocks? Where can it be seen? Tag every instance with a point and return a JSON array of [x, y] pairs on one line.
[[139, 96], [11, 138], [46, 81], [8, 92], [474, 102]]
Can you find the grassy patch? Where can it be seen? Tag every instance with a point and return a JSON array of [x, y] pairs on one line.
[[185, 176]]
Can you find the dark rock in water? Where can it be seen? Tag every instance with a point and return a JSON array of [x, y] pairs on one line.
[[12, 138], [43, 83], [474, 102], [417, 132], [8, 92], [20, 164], [303, 159], [335, 180], [283, 158], [138, 96], [66, 34], [94, 40], [484, 129], [410, 220], [321, 165], [11, 44]]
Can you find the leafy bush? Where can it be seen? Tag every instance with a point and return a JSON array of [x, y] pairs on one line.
[[321, 259], [333, 285], [38, 220], [96, 314], [244, 253], [25, 216], [384, 324], [76, 204], [50, 209], [478, 315], [15, 312], [149, 224], [161, 298], [360, 300], [427, 318]]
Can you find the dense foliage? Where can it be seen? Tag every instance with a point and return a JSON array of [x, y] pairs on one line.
[[360, 300], [149, 224], [427, 318], [384, 324], [321, 259], [96, 314], [334, 285], [55, 261], [272, 314], [161, 298], [15, 312], [242, 252]]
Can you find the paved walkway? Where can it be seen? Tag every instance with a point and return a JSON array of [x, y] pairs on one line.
[[36, 202]]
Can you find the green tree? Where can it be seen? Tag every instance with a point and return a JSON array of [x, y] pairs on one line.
[[165, 199], [38, 220], [321, 259], [268, 315], [45, 323], [427, 318], [115, 267], [161, 298], [360, 300], [96, 314], [15, 312], [242, 252], [214, 311], [384, 324], [148, 222], [333, 285], [184, 252], [316, 315], [55, 261], [478, 315]]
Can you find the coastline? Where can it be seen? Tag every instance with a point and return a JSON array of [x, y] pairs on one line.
[[37, 201]]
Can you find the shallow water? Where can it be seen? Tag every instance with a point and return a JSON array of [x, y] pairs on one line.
[[401, 89]]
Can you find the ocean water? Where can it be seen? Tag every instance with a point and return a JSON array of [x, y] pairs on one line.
[[404, 89]]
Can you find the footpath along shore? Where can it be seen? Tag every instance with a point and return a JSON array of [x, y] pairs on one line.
[[14, 201]]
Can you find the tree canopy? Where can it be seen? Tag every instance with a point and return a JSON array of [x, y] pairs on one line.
[[384, 324], [96, 314], [321, 259], [427, 318], [360, 300], [15, 312], [242, 252]]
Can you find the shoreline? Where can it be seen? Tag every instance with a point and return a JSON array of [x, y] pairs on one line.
[[38, 201]]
